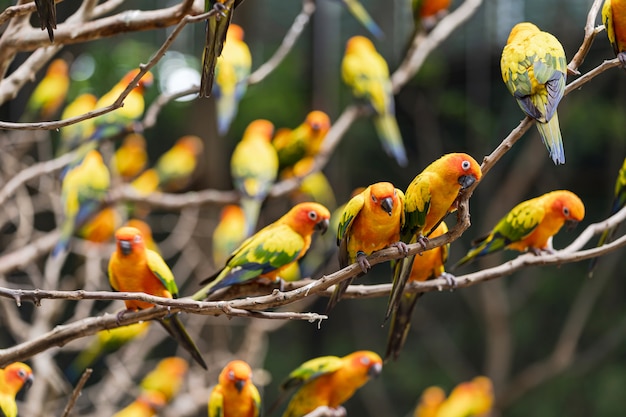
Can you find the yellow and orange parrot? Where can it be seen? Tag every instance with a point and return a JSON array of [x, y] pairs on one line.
[[428, 199], [231, 77], [426, 13], [47, 11], [371, 221], [329, 381], [101, 226], [428, 265], [216, 30], [73, 135], [534, 70], [166, 378], [530, 225], [619, 201], [473, 398], [147, 404], [84, 188], [366, 72], [146, 183], [50, 93], [133, 268], [229, 233], [235, 395], [314, 185], [13, 378], [269, 251], [176, 166], [359, 12], [131, 157], [254, 169], [430, 402], [305, 140], [614, 19]]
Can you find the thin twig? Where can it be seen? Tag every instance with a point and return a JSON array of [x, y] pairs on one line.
[[76, 392]]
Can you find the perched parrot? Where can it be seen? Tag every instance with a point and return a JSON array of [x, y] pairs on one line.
[[371, 221], [83, 190], [231, 77], [428, 199], [216, 30], [360, 13], [133, 268], [50, 93], [235, 395], [74, 135], [254, 169], [229, 233], [104, 343], [271, 249], [101, 226], [47, 11], [530, 225], [146, 183], [12, 379], [366, 72], [314, 185], [146, 405], [427, 266], [167, 378], [131, 157], [176, 166], [472, 398], [534, 70], [305, 140], [427, 12], [430, 402], [329, 381], [614, 19], [619, 201]]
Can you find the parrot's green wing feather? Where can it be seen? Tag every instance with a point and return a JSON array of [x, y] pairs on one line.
[[311, 369], [520, 222], [352, 209], [158, 266], [416, 208], [216, 402]]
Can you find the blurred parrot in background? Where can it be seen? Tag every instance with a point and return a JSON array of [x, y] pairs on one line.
[[428, 265], [359, 12], [474, 398], [534, 69], [231, 77], [146, 183], [329, 381], [619, 201], [235, 395], [428, 199], [430, 402], [49, 95], [131, 157], [229, 233], [269, 251], [366, 72], [254, 169], [166, 378], [83, 191], [305, 140], [371, 221], [13, 378], [176, 166], [147, 404], [530, 225], [314, 185], [216, 30], [47, 11], [614, 20], [133, 268], [426, 13], [73, 135], [101, 226]]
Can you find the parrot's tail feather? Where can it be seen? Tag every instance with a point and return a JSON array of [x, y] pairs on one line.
[[401, 273], [391, 139], [358, 11], [400, 324], [251, 209], [175, 328], [340, 289], [551, 136], [226, 112]]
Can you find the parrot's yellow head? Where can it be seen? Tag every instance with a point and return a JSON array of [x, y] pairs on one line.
[[232, 212], [319, 121], [522, 29], [18, 375], [306, 218], [365, 363], [235, 32], [58, 67], [129, 241], [237, 373], [384, 196], [433, 396], [359, 43], [568, 205], [260, 127]]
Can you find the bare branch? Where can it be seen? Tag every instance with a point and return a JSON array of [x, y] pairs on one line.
[[79, 387], [590, 34]]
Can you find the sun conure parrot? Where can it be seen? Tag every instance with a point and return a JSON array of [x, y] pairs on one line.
[[231, 77], [147, 404], [131, 157], [430, 402], [329, 381], [13, 378], [235, 395], [229, 233], [104, 343], [371, 221], [614, 19], [50, 93], [166, 378], [101, 226], [73, 135], [619, 201], [133, 268], [427, 200], [83, 190], [534, 70], [176, 166], [47, 11], [305, 140], [530, 225], [359, 12], [428, 265], [313, 186], [426, 13], [216, 30], [473, 398], [269, 251], [366, 72], [254, 169]]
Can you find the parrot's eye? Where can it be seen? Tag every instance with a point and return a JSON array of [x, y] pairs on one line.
[[137, 239], [21, 373], [465, 165], [312, 215], [231, 375], [565, 211], [365, 361], [374, 199]]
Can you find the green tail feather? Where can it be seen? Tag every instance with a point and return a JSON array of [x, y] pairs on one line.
[[400, 324], [175, 328]]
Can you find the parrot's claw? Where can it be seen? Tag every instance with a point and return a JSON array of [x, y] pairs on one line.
[[220, 8], [361, 259], [622, 58], [402, 248], [422, 240], [450, 280], [120, 315]]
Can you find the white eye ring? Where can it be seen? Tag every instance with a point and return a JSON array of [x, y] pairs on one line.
[[365, 361], [566, 211], [312, 215], [374, 199], [231, 375], [137, 239], [465, 165]]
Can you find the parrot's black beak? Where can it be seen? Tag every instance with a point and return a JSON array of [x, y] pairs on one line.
[[466, 181], [126, 247], [28, 383], [387, 205], [570, 224], [316, 127], [322, 226], [375, 370], [239, 384]]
